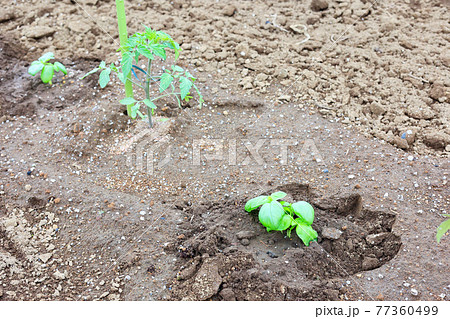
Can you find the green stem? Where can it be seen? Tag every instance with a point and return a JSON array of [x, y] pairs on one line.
[[147, 92], [123, 36]]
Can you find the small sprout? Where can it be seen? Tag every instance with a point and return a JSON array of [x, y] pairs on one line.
[[46, 68], [443, 228], [282, 215]]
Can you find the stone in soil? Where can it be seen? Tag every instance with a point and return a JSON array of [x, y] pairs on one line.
[[319, 5], [331, 233]]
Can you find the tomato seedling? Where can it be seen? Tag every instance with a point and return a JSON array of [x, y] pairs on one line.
[[46, 68], [174, 81], [280, 215]]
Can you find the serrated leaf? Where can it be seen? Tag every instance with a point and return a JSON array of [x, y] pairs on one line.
[[61, 67], [89, 73], [127, 101], [254, 203], [306, 233], [305, 211], [121, 77], [177, 68], [47, 73], [35, 67], [136, 56], [47, 57], [159, 51], [134, 109], [189, 75], [185, 86], [146, 52], [278, 195], [200, 97], [442, 229], [149, 103], [104, 77], [166, 80], [126, 63]]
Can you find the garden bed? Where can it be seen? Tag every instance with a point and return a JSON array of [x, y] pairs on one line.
[[84, 215]]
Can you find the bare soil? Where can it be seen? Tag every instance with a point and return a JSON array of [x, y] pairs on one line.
[[362, 108]]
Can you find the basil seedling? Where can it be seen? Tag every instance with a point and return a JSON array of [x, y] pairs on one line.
[[281, 215], [46, 68]]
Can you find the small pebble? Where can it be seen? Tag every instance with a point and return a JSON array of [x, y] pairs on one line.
[[28, 187], [245, 242]]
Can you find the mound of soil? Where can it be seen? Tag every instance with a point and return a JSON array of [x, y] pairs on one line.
[[230, 256]]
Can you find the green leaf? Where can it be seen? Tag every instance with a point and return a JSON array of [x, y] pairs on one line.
[[104, 77], [121, 77], [127, 63], [278, 195], [271, 215], [60, 67], [149, 103], [200, 97], [305, 211], [145, 52], [189, 75], [185, 86], [166, 80], [442, 229], [254, 203], [35, 67], [46, 57], [159, 51], [102, 65], [127, 101], [306, 233], [286, 222], [47, 73], [177, 68], [90, 72], [136, 56], [134, 110], [288, 209]]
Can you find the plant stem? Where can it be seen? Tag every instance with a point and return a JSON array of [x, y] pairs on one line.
[[147, 91], [123, 36]]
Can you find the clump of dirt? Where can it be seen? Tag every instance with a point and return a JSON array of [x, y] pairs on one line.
[[231, 256]]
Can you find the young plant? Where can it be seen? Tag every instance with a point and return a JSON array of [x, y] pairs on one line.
[[174, 81], [443, 228], [46, 68], [282, 215]]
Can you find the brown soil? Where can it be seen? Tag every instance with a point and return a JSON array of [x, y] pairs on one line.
[[365, 113]]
